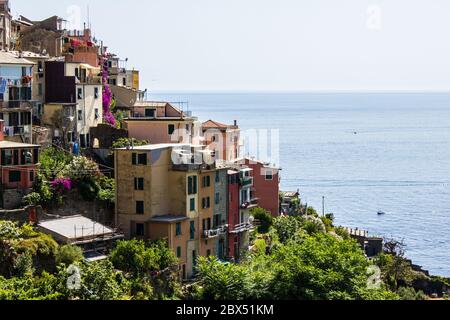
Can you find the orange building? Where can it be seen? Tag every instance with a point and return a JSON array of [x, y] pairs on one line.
[[160, 198], [160, 122]]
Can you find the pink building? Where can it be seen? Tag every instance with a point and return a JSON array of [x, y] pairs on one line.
[[17, 170], [223, 139]]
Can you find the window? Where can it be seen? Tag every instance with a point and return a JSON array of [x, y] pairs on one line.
[[149, 113], [140, 229], [206, 224], [31, 176], [139, 207], [80, 93], [40, 89], [206, 203], [96, 93], [26, 157], [124, 82], [192, 185], [192, 230], [178, 252], [14, 176], [217, 198], [139, 184], [206, 181], [139, 159], [80, 115], [194, 258], [82, 140], [178, 229], [269, 175], [217, 177], [192, 205], [7, 157], [216, 221], [208, 253], [97, 114], [171, 129]]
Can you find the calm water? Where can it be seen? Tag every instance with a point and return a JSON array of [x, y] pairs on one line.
[[398, 162]]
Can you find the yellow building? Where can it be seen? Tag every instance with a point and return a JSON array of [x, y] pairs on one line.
[[160, 195]]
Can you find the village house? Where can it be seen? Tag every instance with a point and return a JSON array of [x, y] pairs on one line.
[[16, 105], [119, 75], [5, 25], [73, 101], [94, 238], [157, 198], [223, 139], [161, 122], [18, 163], [266, 184], [41, 37]]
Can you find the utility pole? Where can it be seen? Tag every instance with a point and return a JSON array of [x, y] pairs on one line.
[[323, 206]]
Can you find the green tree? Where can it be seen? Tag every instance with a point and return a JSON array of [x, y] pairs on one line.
[[222, 281], [264, 218]]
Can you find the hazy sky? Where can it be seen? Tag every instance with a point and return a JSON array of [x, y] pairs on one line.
[[271, 44]]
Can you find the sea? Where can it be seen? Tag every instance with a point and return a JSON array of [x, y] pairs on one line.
[[363, 152]]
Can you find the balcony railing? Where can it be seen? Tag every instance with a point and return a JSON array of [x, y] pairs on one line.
[[210, 234], [253, 203], [247, 181], [16, 104], [243, 227]]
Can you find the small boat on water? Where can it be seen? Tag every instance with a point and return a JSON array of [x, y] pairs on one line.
[[381, 213]]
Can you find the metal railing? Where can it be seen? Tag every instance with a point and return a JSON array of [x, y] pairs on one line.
[[214, 233]]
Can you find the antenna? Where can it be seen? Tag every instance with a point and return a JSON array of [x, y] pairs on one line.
[[88, 17]]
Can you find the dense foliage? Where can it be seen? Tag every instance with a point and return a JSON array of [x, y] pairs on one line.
[[61, 172], [305, 263]]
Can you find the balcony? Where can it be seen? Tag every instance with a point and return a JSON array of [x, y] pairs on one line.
[[211, 234], [246, 181], [17, 104], [243, 227], [253, 203]]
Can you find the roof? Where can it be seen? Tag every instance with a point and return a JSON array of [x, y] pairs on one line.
[[291, 194], [168, 219], [75, 227], [10, 145], [11, 58], [217, 125], [151, 104]]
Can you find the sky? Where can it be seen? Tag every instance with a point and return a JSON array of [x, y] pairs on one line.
[[270, 45]]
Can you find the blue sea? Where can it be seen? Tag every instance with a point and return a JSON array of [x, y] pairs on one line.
[[365, 152]]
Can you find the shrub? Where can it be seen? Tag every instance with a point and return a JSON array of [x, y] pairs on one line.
[[264, 218], [69, 254], [32, 199]]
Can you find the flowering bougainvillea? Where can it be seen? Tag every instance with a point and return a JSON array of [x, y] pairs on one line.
[[107, 97], [62, 185]]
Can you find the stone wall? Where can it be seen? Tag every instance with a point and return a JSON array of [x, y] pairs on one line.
[[105, 136], [74, 204]]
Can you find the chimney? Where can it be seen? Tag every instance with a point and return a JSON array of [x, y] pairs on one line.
[[2, 126]]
